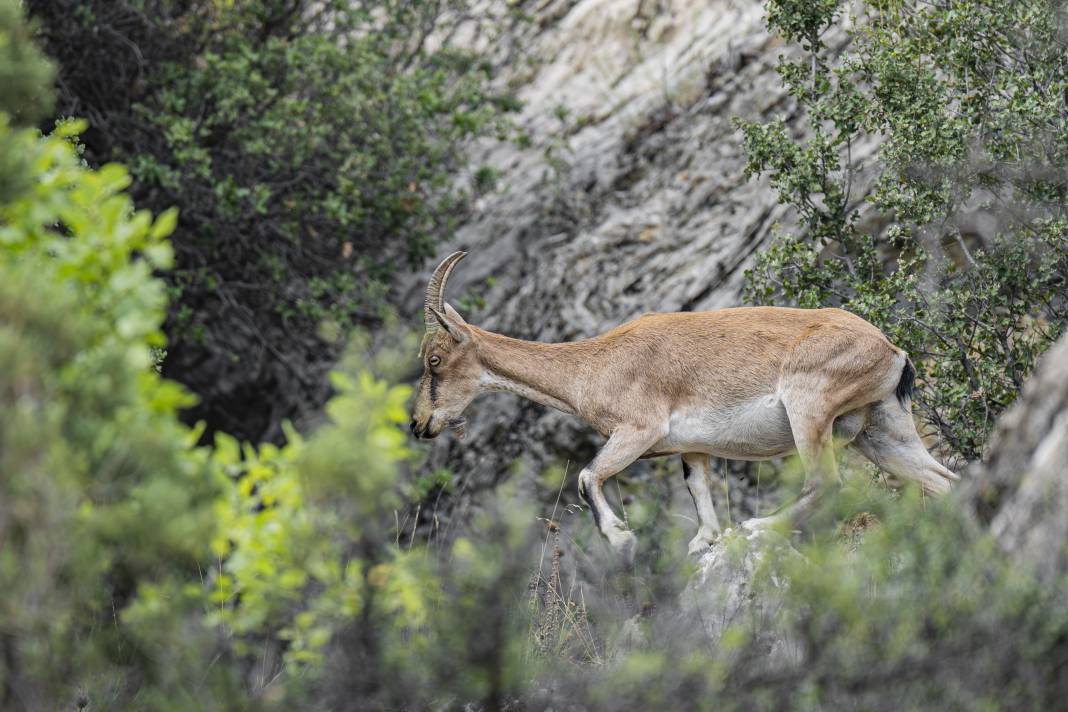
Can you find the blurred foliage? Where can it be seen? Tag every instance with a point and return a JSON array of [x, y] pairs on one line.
[[289, 527], [970, 100], [312, 149], [141, 571], [921, 611], [106, 507], [25, 74]]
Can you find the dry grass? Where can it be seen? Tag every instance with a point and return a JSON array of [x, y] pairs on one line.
[[559, 621], [851, 531]]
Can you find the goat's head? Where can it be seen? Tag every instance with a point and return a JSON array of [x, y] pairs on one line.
[[451, 368]]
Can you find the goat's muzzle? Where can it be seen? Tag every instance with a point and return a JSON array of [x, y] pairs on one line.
[[423, 433]]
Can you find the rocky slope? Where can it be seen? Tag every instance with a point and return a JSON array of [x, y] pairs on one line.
[[1022, 491], [631, 198]]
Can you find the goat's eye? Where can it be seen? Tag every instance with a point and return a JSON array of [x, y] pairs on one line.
[[434, 361]]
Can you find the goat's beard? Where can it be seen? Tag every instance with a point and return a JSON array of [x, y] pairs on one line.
[[458, 427]]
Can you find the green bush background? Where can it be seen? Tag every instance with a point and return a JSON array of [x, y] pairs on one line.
[[313, 149]]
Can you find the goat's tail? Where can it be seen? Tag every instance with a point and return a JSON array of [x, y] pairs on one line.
[[907, 385]]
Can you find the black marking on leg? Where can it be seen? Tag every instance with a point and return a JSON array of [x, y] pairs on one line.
[[650, 455], [585, 496], [596, 516], [686, 472]]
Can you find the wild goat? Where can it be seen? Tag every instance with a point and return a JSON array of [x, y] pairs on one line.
[[749, 383]]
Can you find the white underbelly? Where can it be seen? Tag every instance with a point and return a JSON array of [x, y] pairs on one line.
[[755, 430]]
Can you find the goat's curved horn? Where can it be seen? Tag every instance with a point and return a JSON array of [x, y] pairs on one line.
[[436, 288]]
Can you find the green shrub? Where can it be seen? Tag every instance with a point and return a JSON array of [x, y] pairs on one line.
[[311, 148], [968, 99], [922, 611], [25, 74], [107, 507], [139, 570], [24, 93], [299, 539]]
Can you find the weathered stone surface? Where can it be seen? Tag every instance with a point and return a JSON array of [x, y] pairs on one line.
[[739, 583], [1022, 491]]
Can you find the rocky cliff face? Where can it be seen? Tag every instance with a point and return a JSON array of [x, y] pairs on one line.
[[631, 198], [1022, 492]]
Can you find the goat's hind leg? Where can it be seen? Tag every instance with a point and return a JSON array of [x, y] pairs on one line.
[[891, 442], [697, 469], [813, 437]]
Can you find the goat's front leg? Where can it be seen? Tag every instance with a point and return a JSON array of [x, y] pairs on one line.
[[697, 467], [625, 445]]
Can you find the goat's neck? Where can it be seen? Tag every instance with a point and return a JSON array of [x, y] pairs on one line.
[[549, 374]]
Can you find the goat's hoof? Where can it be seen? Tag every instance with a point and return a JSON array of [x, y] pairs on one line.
[[625, 544], [760, 524], [701, 543], [939, 482]]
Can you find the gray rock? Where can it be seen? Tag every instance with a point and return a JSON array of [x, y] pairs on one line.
[[1022, 490], [740, 584]]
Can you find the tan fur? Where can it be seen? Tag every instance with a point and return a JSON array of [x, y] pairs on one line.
[[745, 383]]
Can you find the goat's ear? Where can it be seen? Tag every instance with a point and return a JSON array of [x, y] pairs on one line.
[[454, 315], [456, 331]]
